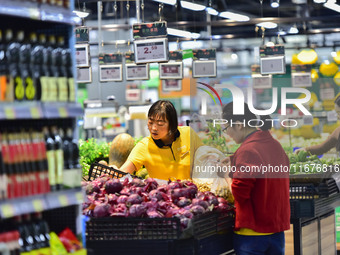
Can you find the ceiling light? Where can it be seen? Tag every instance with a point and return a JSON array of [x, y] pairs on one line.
[[192, 6], [211, 11], [319, 1], [268, 25], [171, 2], [234, 56], [293, 30], [275, 3], [270, 44], [234, 16], [332, 5], [182, 33], [216, 37], [282, 33], [333, 54], [81, 14]]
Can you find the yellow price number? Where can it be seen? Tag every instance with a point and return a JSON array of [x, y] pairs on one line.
[[79, 197], [38, 205], [35, 112], [63, 112], [7, 211], [9, 113], [63, 200]]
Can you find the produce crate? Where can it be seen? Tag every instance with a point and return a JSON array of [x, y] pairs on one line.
[[115, 228], [313, 190], [97, 170], [212, 245]]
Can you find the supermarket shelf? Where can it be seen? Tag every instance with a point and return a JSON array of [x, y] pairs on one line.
[[39, 203], [37, 11], [38, 110]]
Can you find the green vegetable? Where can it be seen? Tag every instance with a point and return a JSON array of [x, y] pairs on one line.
[[302, 156]]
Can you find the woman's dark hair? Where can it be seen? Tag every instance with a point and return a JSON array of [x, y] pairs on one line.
[[165, 110], [248, 115]]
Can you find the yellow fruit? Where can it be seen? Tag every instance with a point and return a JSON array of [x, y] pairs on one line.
[[328, 69], [307, 57], [314, 75], [295, 60], [337, 78], [336, 58]]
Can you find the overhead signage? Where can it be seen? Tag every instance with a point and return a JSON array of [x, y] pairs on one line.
[[171, 70], [151, 50], [137, 72], [110, 73], [204, 68], [154, 29]]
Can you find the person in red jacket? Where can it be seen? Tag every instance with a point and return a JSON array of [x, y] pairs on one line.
[[260, 184]]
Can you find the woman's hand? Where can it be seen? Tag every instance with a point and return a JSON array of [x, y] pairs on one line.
[[300, 149]]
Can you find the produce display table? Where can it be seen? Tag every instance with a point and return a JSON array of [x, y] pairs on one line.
[[313, 223]]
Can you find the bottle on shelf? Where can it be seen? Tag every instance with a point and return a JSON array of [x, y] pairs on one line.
[[70, 80], [51, 156], [3, 68], [25, 68], [45, 70], [53, 78], [26, 240], [41, 227], [62, 70], [12, 59], [3, 176], [59, 156], [37, 242], [36, 63], [9, 173]]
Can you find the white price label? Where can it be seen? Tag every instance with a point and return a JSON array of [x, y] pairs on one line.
[[332, 116], [171, 71], [110, 73], [201, 68], [261, 81], [273, 65], [327, 94], [301, 80], [308, 120], [82, 55], [151, 50], [84, 75], [172, 85], [137, 72], [132, 94]]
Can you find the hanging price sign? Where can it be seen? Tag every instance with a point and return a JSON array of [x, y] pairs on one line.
[[302, 79], [172, 70], [204, 68], [137, 72], [151, 50], [110, 73]]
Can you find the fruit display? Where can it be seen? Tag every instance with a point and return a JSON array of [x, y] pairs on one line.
[[108, 197]]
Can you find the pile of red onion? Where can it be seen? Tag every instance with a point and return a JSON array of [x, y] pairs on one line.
[[146, 198]]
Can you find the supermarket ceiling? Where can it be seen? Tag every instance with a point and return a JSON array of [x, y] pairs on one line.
[[291, 17]]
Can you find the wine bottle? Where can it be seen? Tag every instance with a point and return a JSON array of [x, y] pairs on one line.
[[51, 156], [59, 157]]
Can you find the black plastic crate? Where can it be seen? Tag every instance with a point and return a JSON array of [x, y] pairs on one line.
[[212, 245], [97, 170], [302, 208], [156, 229]]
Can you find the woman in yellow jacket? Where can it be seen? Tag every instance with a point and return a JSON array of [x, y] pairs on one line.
[[169, 150]]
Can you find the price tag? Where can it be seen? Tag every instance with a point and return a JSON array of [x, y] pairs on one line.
[[327, 94], [261, 81], [82, 55], [171, 85], [62, 112], [82, 34], [38, 205], [301, 80], [204, 68], [63, 200], [9, 113], [172, 70], [79, 197], [110, 73], [204, 54], [137, 72], [110, 58], [7, 211], [273, 65], [307, 120], [84, 75], [35, 113], [151, 50], [132, 94], [176, 55], [301, 68], [275, 50], [332, 116], [149, 29]]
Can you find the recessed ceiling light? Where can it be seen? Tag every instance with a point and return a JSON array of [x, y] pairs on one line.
[[192, 6], [234, 16]]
